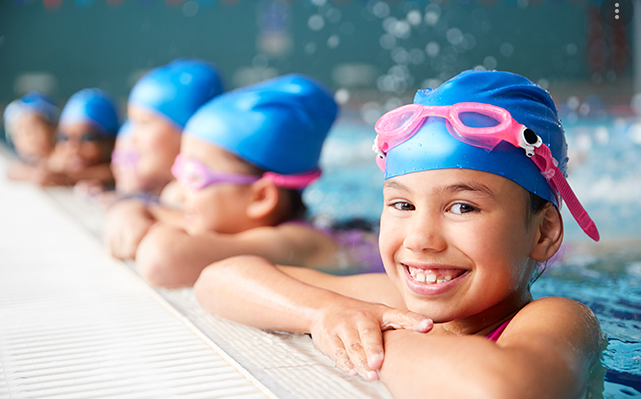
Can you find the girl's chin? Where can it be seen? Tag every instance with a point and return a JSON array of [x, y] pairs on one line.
[[436, 313]]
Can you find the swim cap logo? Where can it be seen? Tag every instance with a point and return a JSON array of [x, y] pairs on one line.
[[617, 13]]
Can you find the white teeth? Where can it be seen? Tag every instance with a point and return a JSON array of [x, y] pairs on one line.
[[421, 276]]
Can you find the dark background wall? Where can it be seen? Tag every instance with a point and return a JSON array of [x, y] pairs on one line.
[[382, 48]]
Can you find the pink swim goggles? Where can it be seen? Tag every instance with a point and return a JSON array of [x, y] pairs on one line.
[[400, 124], [126, 159], [196, 176]]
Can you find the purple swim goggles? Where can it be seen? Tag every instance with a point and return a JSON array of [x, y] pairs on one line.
[[196, 176]]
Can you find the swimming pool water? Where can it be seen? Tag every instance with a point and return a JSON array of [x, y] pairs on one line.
[[604, 172]]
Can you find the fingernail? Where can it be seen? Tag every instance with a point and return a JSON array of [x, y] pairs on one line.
[[425, 324], [372, 375], [375, 360]]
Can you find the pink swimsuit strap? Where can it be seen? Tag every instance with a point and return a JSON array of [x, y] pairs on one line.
[[494, 335]]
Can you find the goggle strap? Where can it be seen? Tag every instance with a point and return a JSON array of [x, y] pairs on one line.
[[545, 162], [293, 181], [574, 206]]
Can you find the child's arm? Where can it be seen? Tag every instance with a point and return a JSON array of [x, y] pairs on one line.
[[546, 351], [126, 223], [253, 291], [100, 173], [45, 175], [20, 171], [170, 257]]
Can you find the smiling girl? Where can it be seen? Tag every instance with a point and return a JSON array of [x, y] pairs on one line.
[[474, 180]]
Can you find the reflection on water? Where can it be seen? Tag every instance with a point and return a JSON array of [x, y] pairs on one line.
[[606, 175]]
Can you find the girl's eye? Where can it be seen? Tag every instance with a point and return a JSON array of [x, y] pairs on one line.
[[460, 209], [403, 206]]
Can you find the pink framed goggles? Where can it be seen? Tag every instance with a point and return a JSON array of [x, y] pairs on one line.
[[400, 124], [195, 176], [125, 158]]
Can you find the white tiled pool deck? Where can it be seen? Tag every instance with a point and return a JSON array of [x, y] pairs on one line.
[[75, 323]]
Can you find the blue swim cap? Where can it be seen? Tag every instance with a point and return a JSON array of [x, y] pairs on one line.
[[433, 147], [92, 106], [177, 90], [278, 125], [34, 102]]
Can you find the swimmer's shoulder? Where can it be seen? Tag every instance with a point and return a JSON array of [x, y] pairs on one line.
[[559, 338], [552, 320], [556, 306]]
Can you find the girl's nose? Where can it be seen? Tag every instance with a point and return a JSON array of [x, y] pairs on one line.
[[73, 145], [424, 233]]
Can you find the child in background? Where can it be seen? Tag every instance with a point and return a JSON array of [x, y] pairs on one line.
[[245, 158], [123, 169], [471, 210], [123, 162], [159, 106], [30, 125], [86, 134]]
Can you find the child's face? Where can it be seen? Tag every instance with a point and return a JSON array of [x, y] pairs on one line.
[[157, 142], [34, 137], [465, 229], [123, 166], [80, 145], [218, 207]]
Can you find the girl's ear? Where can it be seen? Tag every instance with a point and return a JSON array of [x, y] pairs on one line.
[[264, 199], [549, 234]]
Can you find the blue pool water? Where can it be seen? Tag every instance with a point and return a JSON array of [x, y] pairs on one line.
[[605, 173]]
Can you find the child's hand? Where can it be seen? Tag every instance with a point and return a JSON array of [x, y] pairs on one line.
[[21, 172], [88, 188], [125, 226], [44, 177], [351, 333]]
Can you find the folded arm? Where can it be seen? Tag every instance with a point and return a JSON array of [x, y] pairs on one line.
[[100, 173], [254, 292], [546, 352], [45, 176], [126, 223], [168, 256]]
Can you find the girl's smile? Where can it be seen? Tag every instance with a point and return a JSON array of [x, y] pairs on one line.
[[432, 279]]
